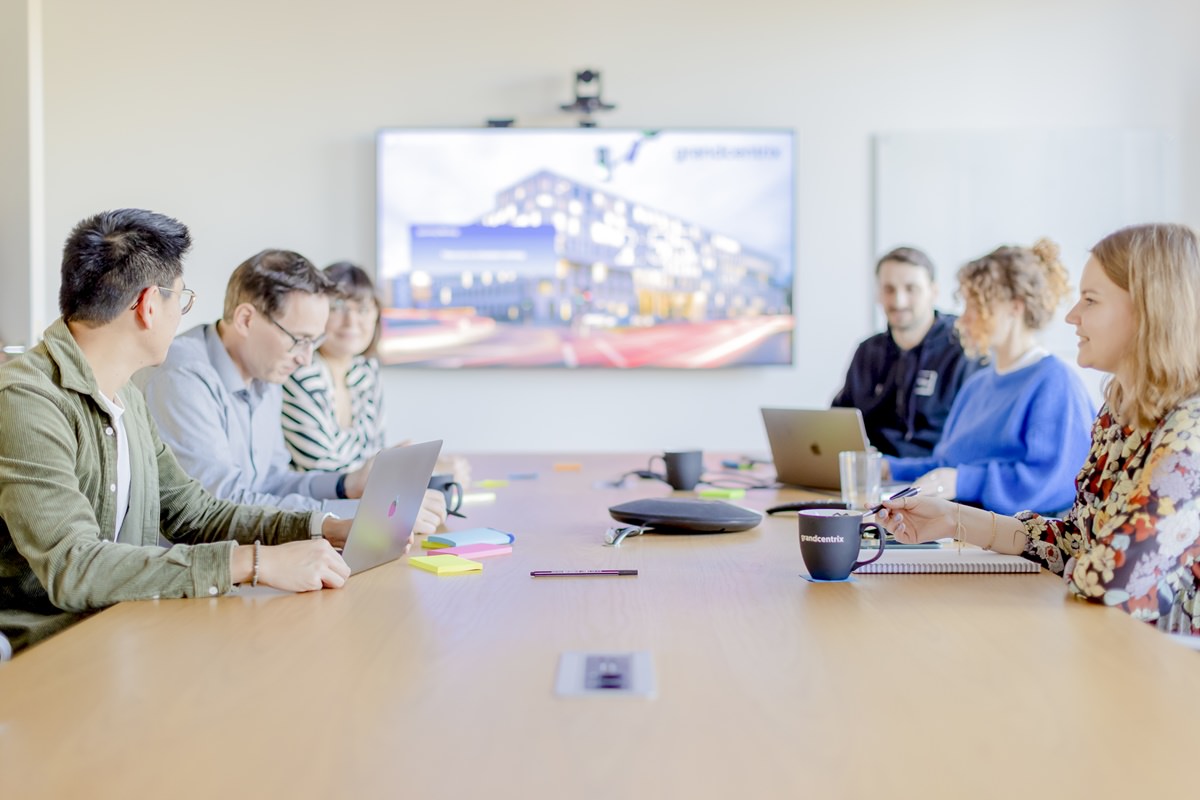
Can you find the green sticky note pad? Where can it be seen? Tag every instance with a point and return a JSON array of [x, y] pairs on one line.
[[725, 494]]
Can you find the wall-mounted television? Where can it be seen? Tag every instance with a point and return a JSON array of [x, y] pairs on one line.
[[586, 247]]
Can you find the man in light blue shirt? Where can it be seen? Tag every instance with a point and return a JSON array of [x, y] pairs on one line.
[[217, 397]]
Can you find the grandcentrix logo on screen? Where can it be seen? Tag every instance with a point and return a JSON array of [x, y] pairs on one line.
[[822, 539], [728, 153]]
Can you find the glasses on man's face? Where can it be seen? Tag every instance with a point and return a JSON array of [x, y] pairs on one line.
[[186, 297], [299, 343]]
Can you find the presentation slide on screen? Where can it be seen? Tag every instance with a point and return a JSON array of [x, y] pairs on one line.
[[586, 248]]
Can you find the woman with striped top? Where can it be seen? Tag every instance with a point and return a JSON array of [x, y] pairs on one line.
[[333, 408]]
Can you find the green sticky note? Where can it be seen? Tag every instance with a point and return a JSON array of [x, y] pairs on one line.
[[726, 494]]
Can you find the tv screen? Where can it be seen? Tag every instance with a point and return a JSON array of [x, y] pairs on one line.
[[586, 248]]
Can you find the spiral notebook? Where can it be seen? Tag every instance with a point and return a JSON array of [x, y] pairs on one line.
[[948, 560]]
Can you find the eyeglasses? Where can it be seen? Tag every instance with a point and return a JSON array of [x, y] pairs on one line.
[[186, 297], [342, 306], [299, 343]]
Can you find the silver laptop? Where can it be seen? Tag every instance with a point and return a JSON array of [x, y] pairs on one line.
[[805, 443], [389, 505]]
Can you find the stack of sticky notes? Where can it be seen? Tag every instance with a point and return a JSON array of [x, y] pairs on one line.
[[439, 541], [445, 565], [447, 550]]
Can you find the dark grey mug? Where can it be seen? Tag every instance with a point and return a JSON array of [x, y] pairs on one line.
[[830, 539], [444, 482], [683, 467]]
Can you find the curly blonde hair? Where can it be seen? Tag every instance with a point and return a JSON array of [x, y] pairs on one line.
[[1033, 275], [1159, 265]]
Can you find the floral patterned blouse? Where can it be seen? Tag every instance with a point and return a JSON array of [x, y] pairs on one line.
[[1132, 539]]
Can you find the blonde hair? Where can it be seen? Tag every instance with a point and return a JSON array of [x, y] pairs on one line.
[[1033, 275], [1159, 265]]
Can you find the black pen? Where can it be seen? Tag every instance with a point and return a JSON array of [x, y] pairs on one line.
[[909, 492], [571, 573]]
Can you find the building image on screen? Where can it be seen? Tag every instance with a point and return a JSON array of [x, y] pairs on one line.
[[586, 248]]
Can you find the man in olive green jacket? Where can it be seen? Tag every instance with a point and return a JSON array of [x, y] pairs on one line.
[[87, 486]]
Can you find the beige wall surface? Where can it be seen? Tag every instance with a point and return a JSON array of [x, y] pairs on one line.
[[254, 123]]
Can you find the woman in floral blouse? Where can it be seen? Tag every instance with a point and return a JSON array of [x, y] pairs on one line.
[[1132, 539]]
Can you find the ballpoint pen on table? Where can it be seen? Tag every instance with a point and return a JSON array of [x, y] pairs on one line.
[[569, 573]]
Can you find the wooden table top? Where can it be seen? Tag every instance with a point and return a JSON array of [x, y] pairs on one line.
[[409, 684]]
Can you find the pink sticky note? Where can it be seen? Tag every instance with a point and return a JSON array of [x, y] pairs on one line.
[[476, 550]]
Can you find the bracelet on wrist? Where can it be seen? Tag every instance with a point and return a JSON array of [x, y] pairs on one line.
[[340, 489], [257, 547]]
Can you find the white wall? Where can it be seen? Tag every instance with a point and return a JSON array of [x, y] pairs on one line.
[[961, 193], [20, 213], [253, 122]]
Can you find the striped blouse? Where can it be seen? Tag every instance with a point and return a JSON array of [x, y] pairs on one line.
[[310, 426]]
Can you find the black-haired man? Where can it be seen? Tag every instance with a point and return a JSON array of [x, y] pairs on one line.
[[86, 485], [905, 379]]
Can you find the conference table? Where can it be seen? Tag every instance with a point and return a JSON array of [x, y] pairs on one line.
[[409, 684]]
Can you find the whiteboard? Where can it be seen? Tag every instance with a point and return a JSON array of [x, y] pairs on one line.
[[958, 195]]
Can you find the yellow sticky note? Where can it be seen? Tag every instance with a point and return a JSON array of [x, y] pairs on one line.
[[491, 483], [445, 565]]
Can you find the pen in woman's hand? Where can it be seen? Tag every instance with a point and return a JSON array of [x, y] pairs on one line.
[[909, 492]]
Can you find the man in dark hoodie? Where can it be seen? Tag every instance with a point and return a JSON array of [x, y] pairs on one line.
[[905, 379]]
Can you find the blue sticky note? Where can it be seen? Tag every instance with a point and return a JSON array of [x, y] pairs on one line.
[[470, 536]]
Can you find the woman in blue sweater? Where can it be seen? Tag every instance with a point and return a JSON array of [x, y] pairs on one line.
[[1020, 428]]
